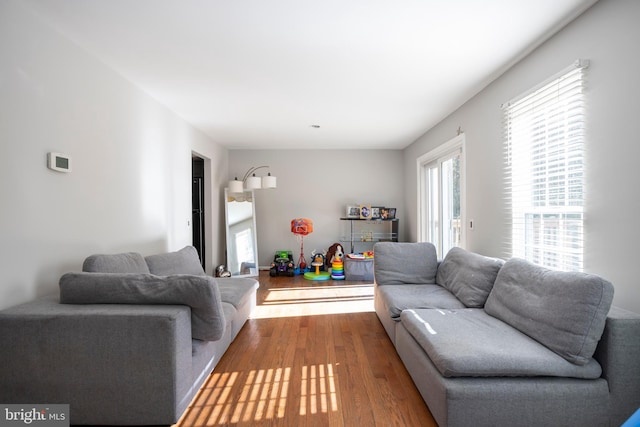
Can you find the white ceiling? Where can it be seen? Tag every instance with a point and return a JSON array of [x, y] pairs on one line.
[[258, 74]]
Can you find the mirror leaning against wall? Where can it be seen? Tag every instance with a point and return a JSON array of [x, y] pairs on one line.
[[242, 244]]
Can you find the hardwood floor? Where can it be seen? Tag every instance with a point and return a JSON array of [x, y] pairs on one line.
[[314, 354]]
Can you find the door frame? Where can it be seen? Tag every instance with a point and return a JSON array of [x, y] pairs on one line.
[[457, 143], [197, 174]]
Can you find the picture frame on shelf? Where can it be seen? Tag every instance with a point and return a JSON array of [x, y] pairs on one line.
[[365, 211], [353, 211], [375, 212], [384, 213], [392, 213]]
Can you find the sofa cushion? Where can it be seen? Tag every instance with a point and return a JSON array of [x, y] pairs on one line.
[[566, 311], [469, 276], [184, 261], [199, 292], [131, 262], [236, 290], [469, 342], [402, 297], [404, 263]]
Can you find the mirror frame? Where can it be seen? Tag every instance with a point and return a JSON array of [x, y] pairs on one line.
[[227, 197]]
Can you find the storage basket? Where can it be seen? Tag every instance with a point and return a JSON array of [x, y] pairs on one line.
[[358, 269]]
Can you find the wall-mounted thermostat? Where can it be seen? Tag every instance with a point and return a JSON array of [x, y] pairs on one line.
[[59, 162]]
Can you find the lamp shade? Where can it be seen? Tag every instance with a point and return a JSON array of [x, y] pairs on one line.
[[235, 186], [254, 183], [269, 181]]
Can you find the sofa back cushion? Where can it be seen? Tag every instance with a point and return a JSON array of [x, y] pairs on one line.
[[404, 263], [565, 311], [201, 293], [130, 262], [469, 276], [184, 261]]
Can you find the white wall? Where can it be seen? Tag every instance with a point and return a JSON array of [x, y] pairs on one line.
[[317, 184], [130, 188], [607, 35]]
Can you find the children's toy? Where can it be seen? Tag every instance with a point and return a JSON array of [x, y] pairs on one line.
[[337, 269], [317, 261], [319, 257], [301, 227], [331, 252], [335, 256], [221, 271], [362, 255], [282, 264]]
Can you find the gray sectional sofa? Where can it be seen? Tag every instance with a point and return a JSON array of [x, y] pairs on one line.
[[494, 343], [128, 341]]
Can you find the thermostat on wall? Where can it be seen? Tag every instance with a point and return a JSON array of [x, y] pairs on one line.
[[59, 162]]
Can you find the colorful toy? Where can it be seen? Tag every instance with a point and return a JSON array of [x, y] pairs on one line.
[[337, 270], [362, 255], [317, 261], [319, 257], [301, 227], [335, 256], [282, 264]]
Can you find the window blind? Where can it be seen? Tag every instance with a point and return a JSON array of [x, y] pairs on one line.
[[544, 133]]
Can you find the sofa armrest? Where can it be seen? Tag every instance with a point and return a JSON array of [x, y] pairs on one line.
[[201, 293], [618, 352], [111, 363]]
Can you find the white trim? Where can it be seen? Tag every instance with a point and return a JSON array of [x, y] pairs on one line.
[[457, 143], [578, 63], [441, 150]]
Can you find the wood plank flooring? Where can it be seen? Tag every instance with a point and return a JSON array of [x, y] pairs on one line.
[[314, 354]]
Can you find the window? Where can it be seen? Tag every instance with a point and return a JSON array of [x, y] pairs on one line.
[[544, 150], [440, 196]]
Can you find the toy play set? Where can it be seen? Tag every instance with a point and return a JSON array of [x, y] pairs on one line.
[[330, 264], [317, 273]]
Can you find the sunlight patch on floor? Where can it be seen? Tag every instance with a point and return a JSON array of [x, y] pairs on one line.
[[318, 390], [317, 300], [264, 395]]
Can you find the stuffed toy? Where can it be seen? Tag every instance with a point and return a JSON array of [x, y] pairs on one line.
[[334, 250], [221, 271]]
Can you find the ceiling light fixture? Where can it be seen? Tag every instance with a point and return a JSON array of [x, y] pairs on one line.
[[252, 182]]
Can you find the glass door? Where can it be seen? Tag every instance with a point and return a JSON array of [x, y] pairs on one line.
[[441, 196], [450, 202]]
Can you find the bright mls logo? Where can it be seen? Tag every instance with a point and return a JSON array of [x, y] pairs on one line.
[[36, 415]]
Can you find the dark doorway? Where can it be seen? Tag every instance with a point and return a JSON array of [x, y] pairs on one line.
[[197, 206]]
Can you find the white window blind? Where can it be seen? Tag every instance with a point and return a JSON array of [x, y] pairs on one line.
[[544, 149]]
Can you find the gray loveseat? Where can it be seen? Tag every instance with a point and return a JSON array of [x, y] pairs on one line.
[[128, 341], [494, 343]]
